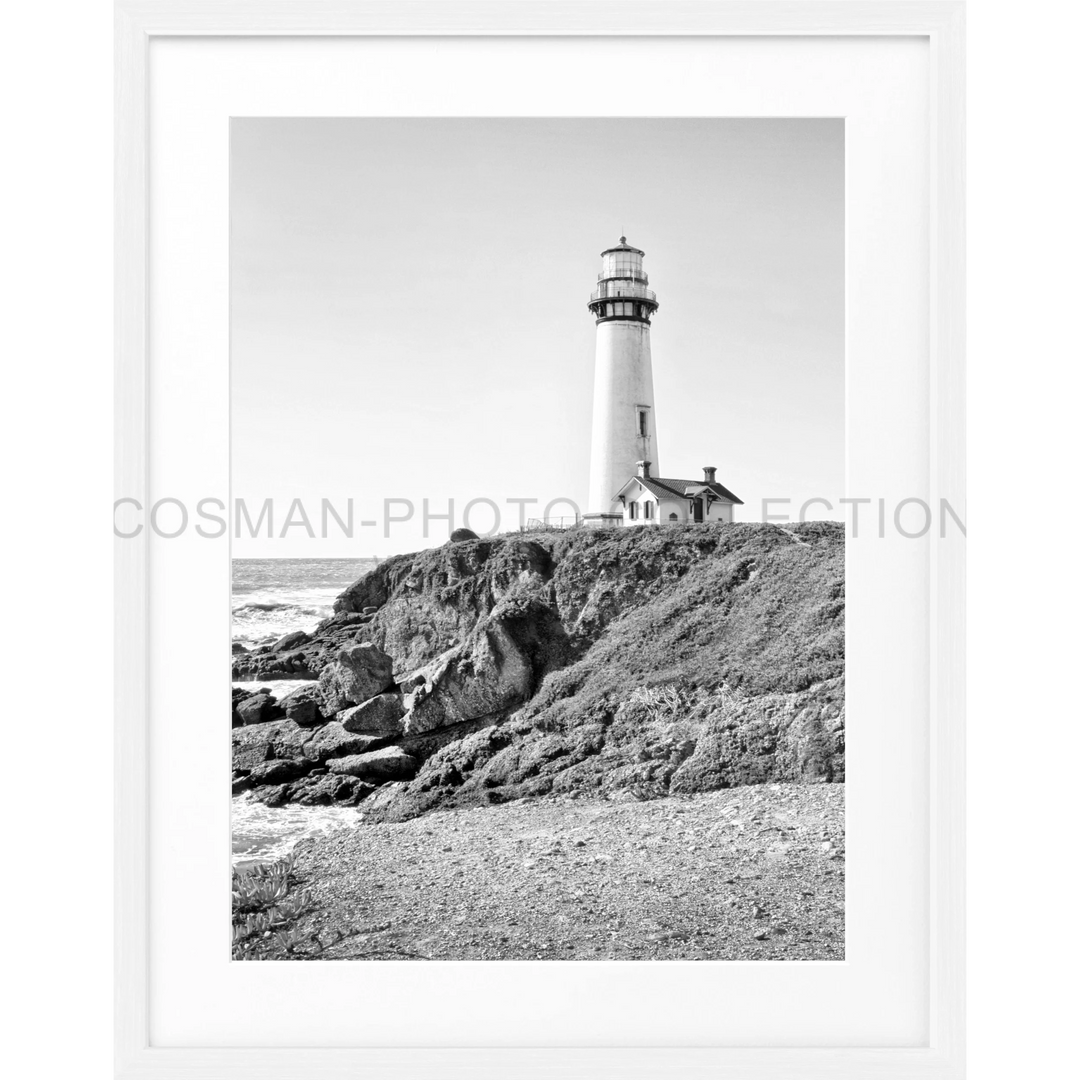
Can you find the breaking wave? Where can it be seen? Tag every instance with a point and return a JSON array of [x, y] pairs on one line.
[[262, 834], [262, 617]]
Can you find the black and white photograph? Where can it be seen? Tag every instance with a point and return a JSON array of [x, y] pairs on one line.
[[546, 469], [537, 435]]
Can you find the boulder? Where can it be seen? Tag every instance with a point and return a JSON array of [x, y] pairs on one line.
[[302, 706], [273, 794], [324, 790], [279, 771], [238, 648], [498, 666], [257, 743], [290, 641], [238, 695], [267, 662], [384, 799], [462, 534], [333, 741], [258, 708], [389, 763], [380, 715], [294, 663], [357, 673]]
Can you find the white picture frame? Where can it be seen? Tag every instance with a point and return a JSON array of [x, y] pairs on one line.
[[137, 24]]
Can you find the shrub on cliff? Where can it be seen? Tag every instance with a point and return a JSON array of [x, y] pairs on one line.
[[763, 614]]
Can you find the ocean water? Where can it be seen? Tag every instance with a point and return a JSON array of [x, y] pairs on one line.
[[270, 598], [263, 833]]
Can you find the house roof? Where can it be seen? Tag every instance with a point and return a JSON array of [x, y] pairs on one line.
[[664, 488]]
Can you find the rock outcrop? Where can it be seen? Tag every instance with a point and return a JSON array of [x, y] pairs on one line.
[[498, 665], [263, 663], [356, 674], [651, 660], [389, 763], [303, 706], [258, 708], [380, 715]]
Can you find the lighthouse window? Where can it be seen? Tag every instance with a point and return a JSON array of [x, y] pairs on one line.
[[643, 422], [610, 310]]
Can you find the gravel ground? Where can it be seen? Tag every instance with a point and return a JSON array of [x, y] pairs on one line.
[[752, 873]]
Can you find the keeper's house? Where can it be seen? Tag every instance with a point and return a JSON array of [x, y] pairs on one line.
[[655, 500]]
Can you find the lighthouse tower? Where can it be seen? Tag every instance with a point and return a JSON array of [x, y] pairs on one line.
[[624, 420]]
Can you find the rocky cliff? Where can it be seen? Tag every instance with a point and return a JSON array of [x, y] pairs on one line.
[[674, 659]]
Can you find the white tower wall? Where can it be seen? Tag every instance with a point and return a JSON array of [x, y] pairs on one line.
[[624, 419], [622, 389]]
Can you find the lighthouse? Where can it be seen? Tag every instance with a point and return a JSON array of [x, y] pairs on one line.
[[624, 418], [626, 486]]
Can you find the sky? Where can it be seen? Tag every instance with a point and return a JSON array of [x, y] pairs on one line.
[[409, 321]]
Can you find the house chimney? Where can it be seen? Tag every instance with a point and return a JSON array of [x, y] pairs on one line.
[[643, 468], [710, 474]]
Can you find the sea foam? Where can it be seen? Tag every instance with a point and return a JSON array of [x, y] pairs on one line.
[[262, 834]]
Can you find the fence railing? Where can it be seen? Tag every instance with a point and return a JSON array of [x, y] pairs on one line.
[[534, 524]]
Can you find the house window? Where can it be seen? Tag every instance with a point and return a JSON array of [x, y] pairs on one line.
[[633, 511], [649, 510], [673, 517], [643, 422]]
